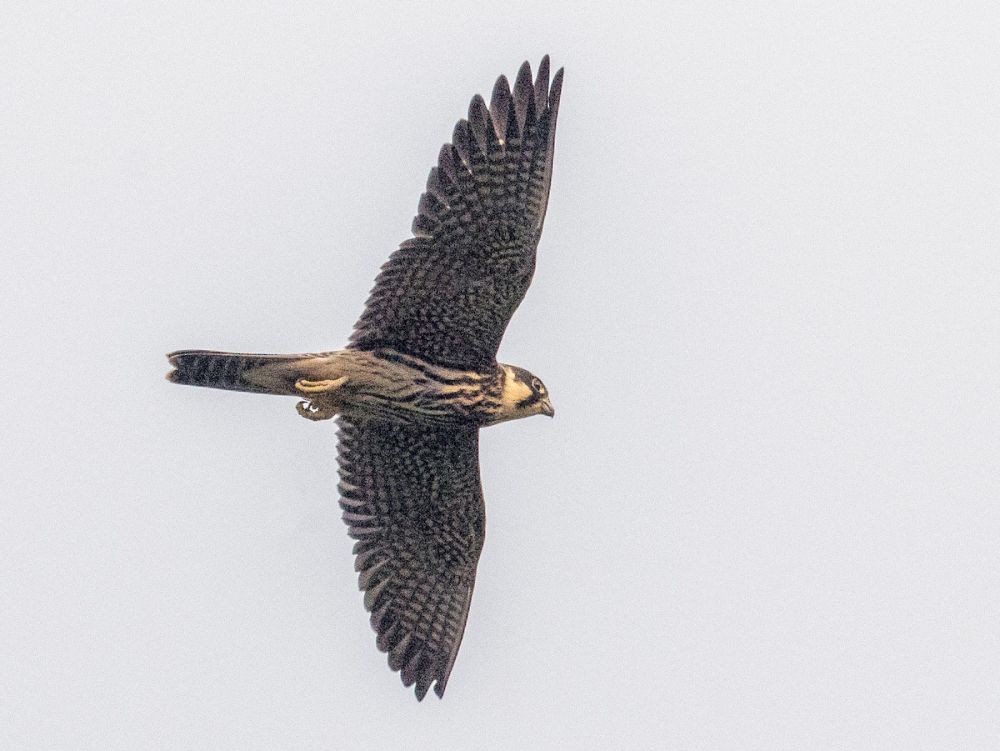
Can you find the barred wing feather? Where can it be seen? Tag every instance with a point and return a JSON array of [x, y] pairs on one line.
[[448, 293], [413, 500]]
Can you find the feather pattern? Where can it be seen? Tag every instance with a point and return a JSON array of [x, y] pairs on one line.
[[420, 377], [448, 293], [412, 499]]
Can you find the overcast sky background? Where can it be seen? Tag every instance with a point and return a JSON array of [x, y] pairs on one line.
[[767, 306]]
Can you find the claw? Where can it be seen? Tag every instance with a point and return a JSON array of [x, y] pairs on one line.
[[311, 412]]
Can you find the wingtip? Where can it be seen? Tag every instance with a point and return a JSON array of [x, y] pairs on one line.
[[501, 93], [555, 90], [500, 88], [500, 109], [524, 71], [420, 689], [557, 81], [439, 687], [477, 103]]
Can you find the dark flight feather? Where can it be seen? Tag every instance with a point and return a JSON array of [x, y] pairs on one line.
[[412, 498], [449, 292]]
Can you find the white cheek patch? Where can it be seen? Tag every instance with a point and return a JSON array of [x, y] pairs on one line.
[[514, 392]]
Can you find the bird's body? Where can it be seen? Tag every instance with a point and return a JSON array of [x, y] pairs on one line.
[[382, 385], [419, 377]]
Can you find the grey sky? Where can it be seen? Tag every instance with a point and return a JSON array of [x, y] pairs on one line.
[[766, 515]]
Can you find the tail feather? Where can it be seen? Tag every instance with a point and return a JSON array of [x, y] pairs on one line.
[[258, 374]]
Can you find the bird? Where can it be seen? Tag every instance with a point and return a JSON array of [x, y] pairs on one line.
[[419, 376]]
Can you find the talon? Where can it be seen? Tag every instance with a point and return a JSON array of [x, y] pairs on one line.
[[319, 387], [312, 412], [307, 410]]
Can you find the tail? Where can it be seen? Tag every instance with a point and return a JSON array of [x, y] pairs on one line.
[[258, 374]]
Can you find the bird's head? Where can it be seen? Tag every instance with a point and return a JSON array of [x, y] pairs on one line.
[[522, 395]]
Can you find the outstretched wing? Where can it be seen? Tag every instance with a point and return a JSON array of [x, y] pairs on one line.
[[447, 294], [413, 500]]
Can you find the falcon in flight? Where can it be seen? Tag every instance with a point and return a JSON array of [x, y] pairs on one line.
[[419, 377]]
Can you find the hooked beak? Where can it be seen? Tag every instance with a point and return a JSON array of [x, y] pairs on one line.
[[548, 409]]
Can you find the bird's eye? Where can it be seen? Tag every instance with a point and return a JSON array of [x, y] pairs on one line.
[[537, 385]]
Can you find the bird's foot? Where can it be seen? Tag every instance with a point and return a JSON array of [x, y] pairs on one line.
[[321, 406], [314, 411]]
